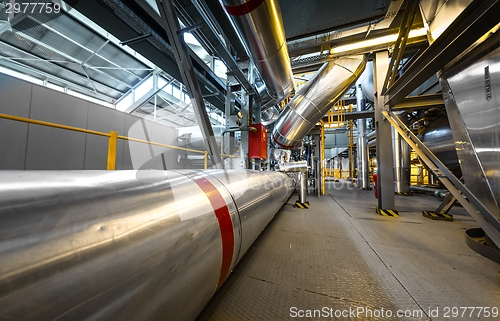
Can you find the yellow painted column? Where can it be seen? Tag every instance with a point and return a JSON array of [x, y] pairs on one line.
[[112, 142], [205, 163]]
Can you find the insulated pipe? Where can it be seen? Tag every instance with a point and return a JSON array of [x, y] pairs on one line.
[[401, 151], [126, 245], [300, 166], [314, 99], [269, 112], [302, 188], [363, 180], [260, 26]]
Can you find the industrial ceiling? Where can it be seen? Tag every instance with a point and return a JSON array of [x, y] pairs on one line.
[[88, 56]]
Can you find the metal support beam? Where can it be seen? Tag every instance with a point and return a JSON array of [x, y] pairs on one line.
[[399, 47], [351, 115], [486, 220], [125, 19], [146, 97], [135, 39], [446, 204], [479, 17], [420, 102], [181, 53], [385, 171], [198, 11]]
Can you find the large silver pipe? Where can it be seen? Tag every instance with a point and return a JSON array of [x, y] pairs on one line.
[[401, 158], [269, 111], [314, 99], [260, 27], [363, 180], [126, 245], [300, 166], [438, 137], [302, 187]]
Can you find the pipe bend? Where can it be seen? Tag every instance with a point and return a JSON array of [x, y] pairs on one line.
[[314, 99]]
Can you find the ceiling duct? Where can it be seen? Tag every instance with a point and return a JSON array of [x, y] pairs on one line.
[[315, 98], [260, 27]]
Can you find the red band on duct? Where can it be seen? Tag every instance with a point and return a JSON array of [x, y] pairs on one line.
[[244, 8], [280, 144], [225, 225]]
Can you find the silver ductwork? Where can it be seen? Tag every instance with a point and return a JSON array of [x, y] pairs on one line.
[[260, 27], [314, 99], [126, 245], [269, 112]]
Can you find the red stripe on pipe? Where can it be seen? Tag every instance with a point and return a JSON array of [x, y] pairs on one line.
[[225, 225], [244, 8], [280, 144]]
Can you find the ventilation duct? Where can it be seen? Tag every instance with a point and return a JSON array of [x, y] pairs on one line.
[[315, 98], [260, 27]]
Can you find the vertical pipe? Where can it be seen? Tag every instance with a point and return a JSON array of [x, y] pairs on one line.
[[385, 171], [112, 141], [362, 145], [351, 151], [406, 161], [205, 160], [401, 159], [396, 147], [302, 187], [323, 161]]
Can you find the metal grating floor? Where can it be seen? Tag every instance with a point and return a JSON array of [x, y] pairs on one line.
[[341, 255]]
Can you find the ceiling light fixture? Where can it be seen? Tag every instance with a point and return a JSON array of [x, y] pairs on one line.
[[377, 41]]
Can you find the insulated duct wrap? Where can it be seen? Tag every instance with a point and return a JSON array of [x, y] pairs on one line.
[[126, 245], [260, 27], [315, 98]]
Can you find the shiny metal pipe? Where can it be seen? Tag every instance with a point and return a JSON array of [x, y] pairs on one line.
[[126, 245], [363, 180], [260, 27], [401, 154], [314, 99], [302, 187], [300, 166], [438, 137]]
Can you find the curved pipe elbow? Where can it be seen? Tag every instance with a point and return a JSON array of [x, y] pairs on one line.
[[315, 98]]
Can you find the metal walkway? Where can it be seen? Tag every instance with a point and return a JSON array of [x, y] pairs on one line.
[[340, 255]]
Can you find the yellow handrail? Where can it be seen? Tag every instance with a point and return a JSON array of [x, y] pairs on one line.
[[113, 136], [49, 124]]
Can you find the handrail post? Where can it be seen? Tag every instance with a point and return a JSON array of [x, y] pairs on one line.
[[112, 142], [205, 162]]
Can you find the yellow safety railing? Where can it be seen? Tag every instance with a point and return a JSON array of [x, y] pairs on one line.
[[112, 136]]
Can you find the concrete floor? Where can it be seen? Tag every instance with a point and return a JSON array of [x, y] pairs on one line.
[[348, 263]]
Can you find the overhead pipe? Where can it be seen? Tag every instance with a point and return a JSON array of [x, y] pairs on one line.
[[314, 99], [260, 27], [126, 245], [269, 112]]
